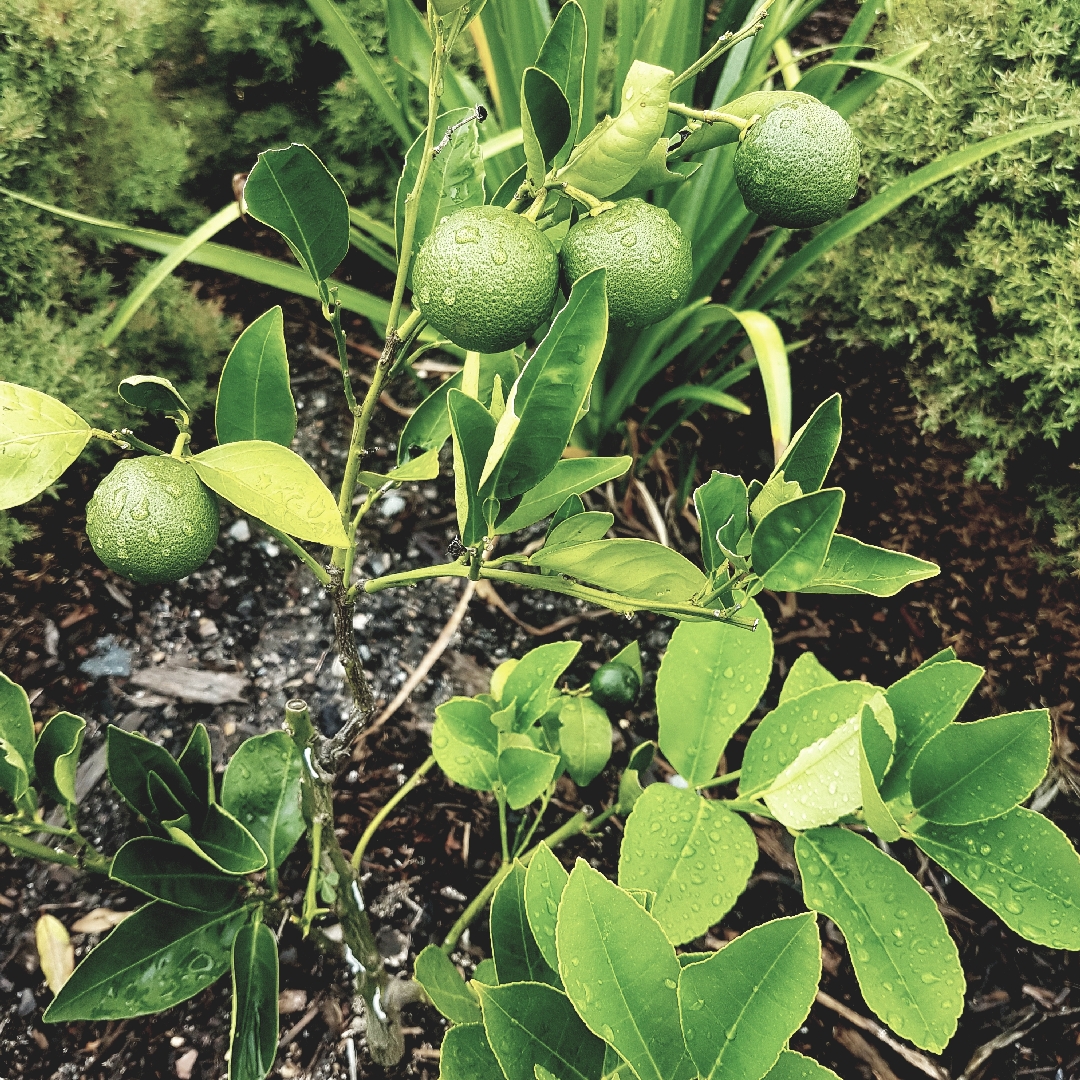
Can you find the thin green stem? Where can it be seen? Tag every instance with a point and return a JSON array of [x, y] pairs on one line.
[[298, 550], [749, 806], [311, 903], [709, 116], [720, 781], [544, 802], [387, 808], [501, 799], [722, 45], [342, 350], [125, 440]]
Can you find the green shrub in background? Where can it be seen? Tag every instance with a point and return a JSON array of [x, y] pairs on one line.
[[977, 279]]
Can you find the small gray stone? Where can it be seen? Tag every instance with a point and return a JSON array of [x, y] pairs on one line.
[[109, 659], [240, 531]]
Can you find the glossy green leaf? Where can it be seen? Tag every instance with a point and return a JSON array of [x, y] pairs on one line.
[[474, 428], [517, 956], [563, 58], [584, 739], [174, 874], [791, 542], [630, 789], [442, 982], [570, 507], [56, 757], [806, 674], [253, 1033], [695, 855], [630, 656], [544, 884], [455, 178], [872, 766], [485, 973], [131, 759], [15, 778], [938, 658], [465, 743], [795, 724], [970, 772], [722, 511], [422, 467], [776, 491], [532, 680], [710, 679], [525, 774], [1022, 866], [530, 1023], [273, 484], [261, 790], [617, 147], [254, 398], [17, 732], [571, 476], [153, 960], [793, 1066], [196, 763], [466, 1055], [906, 963], [652, 571], [657, 171], [39, 438], [620, 972], [153, 393], [429, 426], [291, 191], [853, 567], [545, 122], [813, 447], [168, 809], [580, 529], [223, 841], [923, 703], [740, 1007], [543, 405]]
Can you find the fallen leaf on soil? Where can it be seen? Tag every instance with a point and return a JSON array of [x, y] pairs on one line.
[[99, 920], [55, 951], [189, 684], [185, 1063]]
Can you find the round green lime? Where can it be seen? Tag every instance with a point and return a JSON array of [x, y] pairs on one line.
[[648, 260], [152, 520], [615, 686], [798, 165], [486, 278]]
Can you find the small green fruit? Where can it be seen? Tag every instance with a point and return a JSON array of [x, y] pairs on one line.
[[648, 260], [615, 686], [152, 520], [798, 165], [486, 278]]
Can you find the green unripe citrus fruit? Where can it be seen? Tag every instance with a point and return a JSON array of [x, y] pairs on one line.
[[486, 278], [647, 257], [615, 686], [153, 520], [798, 165]]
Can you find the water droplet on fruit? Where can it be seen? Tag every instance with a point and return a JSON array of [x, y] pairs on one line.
[[498, 257], [449, 297], [467, 234]]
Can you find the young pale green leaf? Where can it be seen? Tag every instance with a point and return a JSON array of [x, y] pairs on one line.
[[906, 963], [853, 567], [796, 724], [621, 973], [153, 393], [254, 398], [531, 681], [806, 674], [584, 739], [465, 743], [924, 702], [442, 982], [544, 884], [938, 658], [474, 429], [791, 542], [1021, 866], [273, 484], [174, 874], [544, 402], [131, 759], [775, 492], [692, 853], [630, 789], [56, 757], [652, 571], [571, 476], [485, 973], [563, 58], [970, 772], [630, 656], [466, 1055], [517, 956], [291, 191], [531, 1023], [197, 764], [722, 510], [15, 776], [222, 841], [152, 961], [422, 467], [710, 679], [654, 173], [39, 438], [873, 739], [455, 178], [793, 1066], [261, 790], [580, 529], [570, 507], [546, 122], [740, 1007], [813, 447], [525, 774], [16, 723], [253, 1033], [612, 153]]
